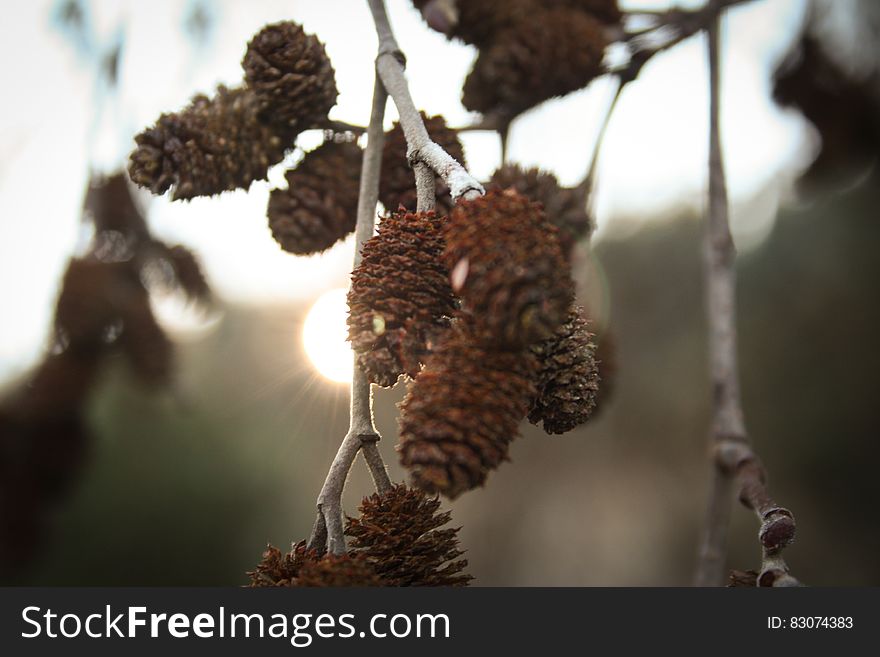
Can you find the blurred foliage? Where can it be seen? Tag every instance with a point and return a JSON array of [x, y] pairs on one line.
[[187, 487]]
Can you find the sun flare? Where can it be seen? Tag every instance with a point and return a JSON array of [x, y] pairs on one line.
[[324, 336]]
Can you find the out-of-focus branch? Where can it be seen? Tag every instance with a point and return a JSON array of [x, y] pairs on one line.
[[390, 64], [675, 24], [734, 465], [328, 532]]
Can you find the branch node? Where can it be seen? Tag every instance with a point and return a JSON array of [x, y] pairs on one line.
[[369, 438]]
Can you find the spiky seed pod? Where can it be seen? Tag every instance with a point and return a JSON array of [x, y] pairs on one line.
[[506, 263], [398, 533], [555, 52], [564, 207], [303, 567], [568, 378], [400, 298], [397, 185], [213, 145], [319, 206], [292, 76], [278, 569], [462, 411]]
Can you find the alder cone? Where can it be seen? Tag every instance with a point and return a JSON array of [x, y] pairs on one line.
[[148, 350], [319, 206], [568, 379], [303, 567], [398, 533], [605, 11], [507, 265], [188, 274], [213, 145], [564, 207], [397, 185], [110, 206], [400, 297], [462, 411], [553, 53], [291, 75]]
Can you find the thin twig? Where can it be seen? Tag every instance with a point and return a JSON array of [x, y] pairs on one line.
[[734, 464], [328, 532], [390, 65], [583, 188]]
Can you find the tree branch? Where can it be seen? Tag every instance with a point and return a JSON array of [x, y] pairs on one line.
[[734, 464], [390, 64], [328, 532]]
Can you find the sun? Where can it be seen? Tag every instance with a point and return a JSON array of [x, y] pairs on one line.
[[324, 336]]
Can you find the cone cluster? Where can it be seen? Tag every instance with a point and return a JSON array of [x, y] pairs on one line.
[[564, 207], [568, 377], [226, 141], [319, 206], [506, 263], [397, 181], [400, 298], [397, 540], [462, 411]]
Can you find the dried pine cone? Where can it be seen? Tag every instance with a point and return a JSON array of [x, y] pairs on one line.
[[303, 567], [149, 351], [605, 11], [462, 411], [568, 379], [88, 306], [475, 22], [564, 207], [399, 297], [398, 535], [397, 185], [211, 146], [291, 75], [507, 265], [319, 206], [555, 52]]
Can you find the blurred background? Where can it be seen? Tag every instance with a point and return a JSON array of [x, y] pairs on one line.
[[185, 483]]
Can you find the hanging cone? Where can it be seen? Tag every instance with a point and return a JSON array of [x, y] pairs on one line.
[[400, 297], [319, 206], [291, 75], [462, 411], [551, 54], [397, 184], [213, 145], [303, 567], [507, 265], [564, 207], [398, 534], [568, 378], [476, 22]]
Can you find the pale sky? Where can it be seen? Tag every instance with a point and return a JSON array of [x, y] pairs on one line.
[[653, 158]]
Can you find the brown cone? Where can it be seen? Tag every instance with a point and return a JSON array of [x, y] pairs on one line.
[[568, 379], [398, 535], [505, 261], [213, 145], [564, 207], [397, 185], [291, 75], [462, 411], [319, 206], [555, 52], [399, 297], [303, 567]]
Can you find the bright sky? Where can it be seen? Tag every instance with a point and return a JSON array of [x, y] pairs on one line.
[[653, 158]]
